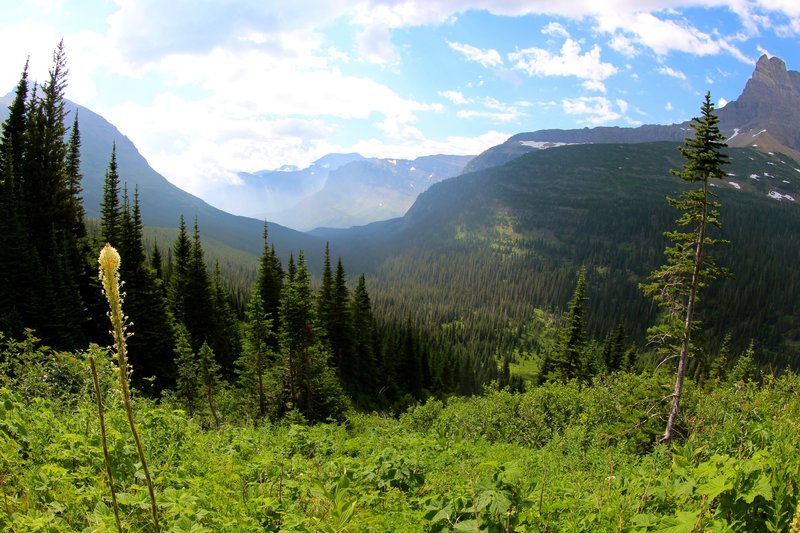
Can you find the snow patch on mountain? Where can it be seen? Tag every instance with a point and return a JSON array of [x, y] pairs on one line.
[[775, 195], [734, 185]]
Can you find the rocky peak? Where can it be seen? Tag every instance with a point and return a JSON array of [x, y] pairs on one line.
[[772, 80], [770, 103]]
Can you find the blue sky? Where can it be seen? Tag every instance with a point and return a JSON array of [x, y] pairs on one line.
[[207, 88]]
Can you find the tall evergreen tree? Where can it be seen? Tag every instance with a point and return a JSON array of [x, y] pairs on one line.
[[19, 267], [269, 285], [689, 267], [310, 385], [226, 337], [74, 177], [257, 355], [151, 349], [358, 365], [12, 135], [50, 213], [568, 358], [179, 271], [110, 210], [198, 308]]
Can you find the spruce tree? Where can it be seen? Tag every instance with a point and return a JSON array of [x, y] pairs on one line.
[[151, 348], [257, 355], [310, 385], [49, 213], [179, 272], [568, 358], [187, 385], [689, 267], [110, 210], [268, 285], [74, 177], [12, 135], [358, 365], [225, 339], [209, 378]]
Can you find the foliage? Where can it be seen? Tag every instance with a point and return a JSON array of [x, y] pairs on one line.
[[563, 456]]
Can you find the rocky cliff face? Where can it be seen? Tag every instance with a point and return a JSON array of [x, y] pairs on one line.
[[768, 111], [766, 115]]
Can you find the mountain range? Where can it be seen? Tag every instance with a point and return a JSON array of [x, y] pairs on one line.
[[337, 190]]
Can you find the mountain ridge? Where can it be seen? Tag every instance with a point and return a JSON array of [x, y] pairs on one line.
[[769, 101]]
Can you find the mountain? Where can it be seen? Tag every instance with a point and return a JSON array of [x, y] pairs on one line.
[[162, 203], [367, 190], [267, 191], [765, 115]]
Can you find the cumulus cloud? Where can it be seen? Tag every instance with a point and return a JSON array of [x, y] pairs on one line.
[[568, 62], [487, 58], [594, 109], [555, 29]]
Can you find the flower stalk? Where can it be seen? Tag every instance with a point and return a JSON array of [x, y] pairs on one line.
[[109, 277]]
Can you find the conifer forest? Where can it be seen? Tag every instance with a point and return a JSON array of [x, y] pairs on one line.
[[146, 385]]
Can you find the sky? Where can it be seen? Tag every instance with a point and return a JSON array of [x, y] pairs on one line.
[[209, 88]]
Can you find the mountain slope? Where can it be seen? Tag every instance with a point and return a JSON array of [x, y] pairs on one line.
[[162, 203], [765, 115], [489, 246]]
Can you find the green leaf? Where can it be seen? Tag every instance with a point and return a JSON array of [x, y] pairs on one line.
[[761, 488], [715, 486]]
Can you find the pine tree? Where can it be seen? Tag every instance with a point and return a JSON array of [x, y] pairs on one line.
[[310, 385], [225, 339], [359, 368], [151, 349], [49, 213], [187, 385], [257, 355], [74, 177], [614, 349], [209, 378], [179, 272], [268, 285], [12, 136], [198, 308], [19, 267], [676, 285], [568, 358], [110, 211]]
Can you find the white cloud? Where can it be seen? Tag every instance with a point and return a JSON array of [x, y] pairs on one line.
[[456, 97], [622, 105], [661, 35], [555, 29], [722, 103], [668, 107], [669, 71], [569, 62], [487, 58], [594, 109], [594, 85], [622, 44], [495, 111]]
